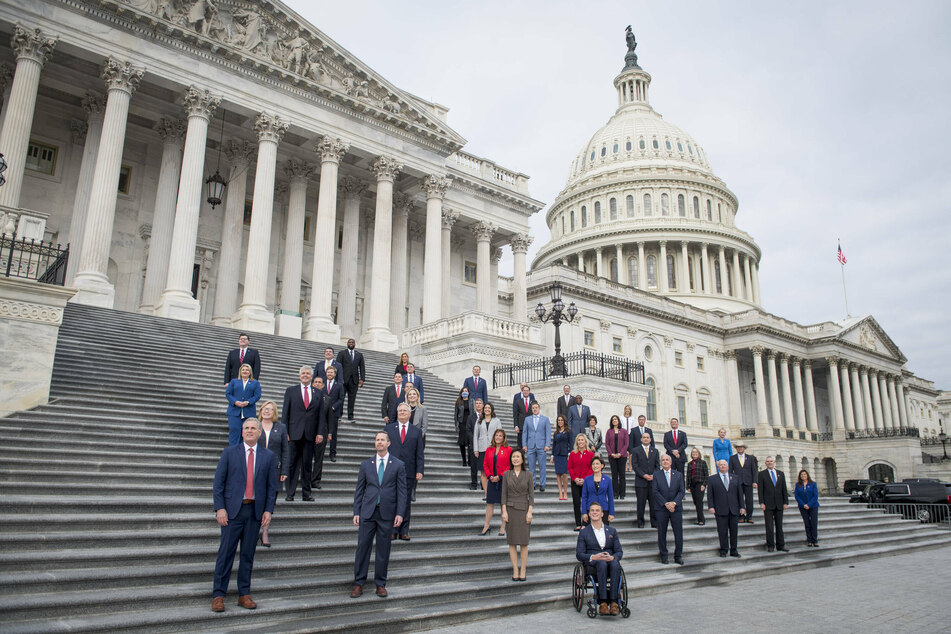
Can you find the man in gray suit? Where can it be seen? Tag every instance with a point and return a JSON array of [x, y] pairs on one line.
[[578, 417]]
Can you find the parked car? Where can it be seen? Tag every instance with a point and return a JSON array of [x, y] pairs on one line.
[[924, 501], [857, 486]]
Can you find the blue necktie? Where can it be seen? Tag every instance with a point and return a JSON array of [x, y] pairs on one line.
[[380, 474], [773, 475]]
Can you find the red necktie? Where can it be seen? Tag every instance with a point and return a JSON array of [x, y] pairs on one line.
[[241, 358], [402, 433], [526, 405], [397, 391], [675, 438], [249, 485], [306, 398]]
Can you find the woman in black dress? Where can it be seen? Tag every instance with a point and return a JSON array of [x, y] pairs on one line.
[[462, 419]]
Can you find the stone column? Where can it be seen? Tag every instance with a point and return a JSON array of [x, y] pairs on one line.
[[858, 404], [289, 321], [494, 282], [351, 189], [95, 106], [866, 399], [886, 405], [520, 244], [377, 335], [33, 49], [581, 261], [775, 408], [253, 313], [122, 79], [756, 295], [641, 267], [172, 133], [483, 234], [684, 285], [797, 391], [747, 279], [662, 268], [239, 155], [320, 325], [449, 218], [788, 421], [705, 269], [835, 394], [733, 388], [599, 262], [399, 262], [621, 264], [902, 407], [847, 396], [876, 398], [435, 187], [812, 417], [724, 273], [176, 300], [893, 401], [762, 417], [736, 275]]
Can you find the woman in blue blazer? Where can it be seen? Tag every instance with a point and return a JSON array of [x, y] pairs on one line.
[[807, 497], [242, 393], [722, 447], [597, 487]]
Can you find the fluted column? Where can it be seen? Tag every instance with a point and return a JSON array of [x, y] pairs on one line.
[[747, 279], [835, 394], [172, 133], [520, 244], [775, 409], [662, 268], [762, 417], [176, 300], [705, 269], [95, 107], [581, 261], [320, 325], [351, 189], [858, 403], [641, 267], [684, 284], [435, 187], [893, 401], [33, 49], [734, 399], [483, 234], [797, 391], [377, 335], [239, 155], [724, 277], [494, 281], [876, 398], [755, 272], [902, 407], [253, 313], [847, 396], [289, 321], [599, 262], [788, 421], [449, 218], [812, 416], [399, 262], [867, 399], [622, 273], [737, 293], [94, 286], [886, 402]]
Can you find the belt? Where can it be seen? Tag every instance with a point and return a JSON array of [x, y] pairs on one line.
[[247, 501]]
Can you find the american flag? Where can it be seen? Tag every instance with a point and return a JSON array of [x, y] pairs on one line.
[[841, 256]]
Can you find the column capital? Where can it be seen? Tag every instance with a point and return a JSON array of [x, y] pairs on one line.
[[599, 250], [796, 361], [200, 102], [78, 130], [783, 357], [239, 153], [872, 371], [298, 170], [704, 245], [771, 355], [331, 150], [415, 228], [34, 45], [93, 103], [496, 255], [640, 244], [120, 75], [853, 366], [270, 127], [351, 187], [483, 231], [402, 202], [730, 355], [863, 370], [684, 244], [757, 350], [386, 168], [521, 242], [449, 218], [807, 363], [171, 130], [435, 186], [833, 361], [663, 244]]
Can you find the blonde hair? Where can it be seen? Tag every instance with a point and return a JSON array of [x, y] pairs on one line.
[[581, 437], [412, 390], [265, 404], [250, 371]]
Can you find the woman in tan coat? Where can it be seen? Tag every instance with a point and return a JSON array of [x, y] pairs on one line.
[[517, 501]]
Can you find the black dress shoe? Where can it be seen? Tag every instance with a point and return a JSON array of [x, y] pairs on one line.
[[542, 489], [663, 560], [640, 524], [333, 458], [679, 560], [723, 554], [289, 498], [473, 487], [734, 554], [783, 549], [770, 549], [308, 498]]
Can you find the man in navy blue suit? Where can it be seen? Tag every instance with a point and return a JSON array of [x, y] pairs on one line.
[[578, 417], [378, 504], [241, 355], [599, 547], [245, 487], [725, 501], [668, 490], [675, 442], [413, 379], [320, 368], [333, 387], [406, 442], [476, 385]]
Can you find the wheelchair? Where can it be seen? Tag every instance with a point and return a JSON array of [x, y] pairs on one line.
[[583, 580]]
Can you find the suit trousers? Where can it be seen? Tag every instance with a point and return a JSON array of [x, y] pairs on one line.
[[351, 391], [727, 529], [644, 498], [576, 501], [302, 463], [810, 518], [473, 466], [696, 493], [617, 475], [318, 471], [536, 464], [774, 528], [410, 490], [602, 570], [234, 430], [381, 529], [242, 528], [746, 490], [676, 519], [333, 435]]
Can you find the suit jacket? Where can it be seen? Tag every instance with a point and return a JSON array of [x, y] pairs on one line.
[[617, 442], [774, 497], [420, 418], [588, 544], [251, 357], [231, 477], [353, 371], [578, 422], [278, 445], [411, 451], [391, 401], [644, 465], [564, 407], [536, 437], [417, 382], [482, 391], [721, 500], [321, 371], [482, 433], [808, 494], [604, 495], [664, 494], [518, 493], [335, 398], [237, 391], [634, 437], [746, 473], [681, 445], [391, 493], [491, 466], [518, 403], [304, 423]]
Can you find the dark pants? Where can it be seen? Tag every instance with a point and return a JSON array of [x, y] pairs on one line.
[[810, 518], [774, 522], [351, 391], [644, 498], [302, 462], [381, 529], [244, 528], [410, 490], [333, 435], [318, 471], [473, 466], [676, 519], [698, 499], [617, 475], [727, 528], [464, 454], [576, 501], [602, 570], [746, 490]]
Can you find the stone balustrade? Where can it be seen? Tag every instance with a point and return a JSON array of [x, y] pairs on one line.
[[473, 323], [488, 170]]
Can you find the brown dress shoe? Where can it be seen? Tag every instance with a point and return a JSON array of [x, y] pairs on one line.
[[381, 591], [218, 604], [615, 610], [246, 602], [405, 538], [603, 609], [356, 591]]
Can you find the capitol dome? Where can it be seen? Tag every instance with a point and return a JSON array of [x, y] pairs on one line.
[[642, 207]]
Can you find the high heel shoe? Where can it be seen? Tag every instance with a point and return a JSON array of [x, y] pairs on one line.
[[485, 531], [264, 543]]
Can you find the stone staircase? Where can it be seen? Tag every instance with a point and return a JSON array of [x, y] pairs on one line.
[[106, 518]]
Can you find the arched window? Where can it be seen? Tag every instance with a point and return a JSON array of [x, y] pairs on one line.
[[627, 146], [656, 144], [615, 148], [597, 212], [630, 206], [716, 273], [651, 271], [648, 210], [680, 146], [709, 210], [562, 224], [584, 216], [696, 207], [641, 144], [604, 150], [614, 277], [664, 205], [719, 213], [651, 413], [572, 219], [667, 144], [632, 272], [613, 205], [690, 270], [681, 207], [671, 272]]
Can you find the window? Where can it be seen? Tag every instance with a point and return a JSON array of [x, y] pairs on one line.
[[664, 205], [696, 207], [700, 363], [589, 338], [617, 345], [671, 272], [709, 211], [680, 146], [682, 408], [597, 212], [125, 179], [616, 148], [667, 144], [613, 267], [690, 270], [647, 205], [656, 144], [247, 213], [719, 217], [627, 146], [632, 277], [716, 271], [471, 272], [681, 207], [572, 219], [651, 413], [729, 278], [651, 271], [41, 158], [562, 224], [704, 421], [584, 216], [604, 151], [630, 206], [613, 205], [690, 149], [648, 353], [592, 155], [641, 144], [679, 359]]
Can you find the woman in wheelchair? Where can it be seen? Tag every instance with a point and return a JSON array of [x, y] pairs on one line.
[[600, 550]]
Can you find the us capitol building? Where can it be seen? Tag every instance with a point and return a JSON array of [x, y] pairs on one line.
[[136, 115]]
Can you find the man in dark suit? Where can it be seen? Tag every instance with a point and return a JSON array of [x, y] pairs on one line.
[[378, 504], [724, 500], [413, 379], [519, 398], [645, 460], [476, 385], [353, 373], [668, 490], [393, 395], [773, 500], [334, 391], [578, 417], [406, 442], [320, 368], [675, 442], [243, 492], [306, 427], [322, 403], [743, 466], [599, 547], [634, 436], [521, 409], [565, 401], [241, 355]]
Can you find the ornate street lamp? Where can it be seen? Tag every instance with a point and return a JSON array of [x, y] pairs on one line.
[[215, 185], [3, 168], [943, 437], [556, 315]]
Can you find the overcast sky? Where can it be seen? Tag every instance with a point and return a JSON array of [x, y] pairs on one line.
[[827, 120]]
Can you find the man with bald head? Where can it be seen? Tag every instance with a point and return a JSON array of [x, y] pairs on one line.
[[406, 443], [725, 502]]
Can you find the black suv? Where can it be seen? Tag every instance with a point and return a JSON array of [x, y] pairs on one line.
[[924, 501]]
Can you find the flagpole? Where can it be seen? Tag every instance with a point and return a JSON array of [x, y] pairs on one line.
[[845, 293]]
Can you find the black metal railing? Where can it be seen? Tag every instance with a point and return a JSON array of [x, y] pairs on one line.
[[748, 433], [583, 363], [899, 432], [939, 514], [932, 440], [32, 260]]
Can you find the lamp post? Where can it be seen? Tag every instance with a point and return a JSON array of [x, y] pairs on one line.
[[556, 315], [3, 168], [943, 437]]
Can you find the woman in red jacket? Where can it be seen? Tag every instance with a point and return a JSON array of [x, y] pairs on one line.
[[495, 463], [579, 468]]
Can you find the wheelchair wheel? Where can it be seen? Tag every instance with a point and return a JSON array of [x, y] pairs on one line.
[[592, 613], [577, 587], [626, 612], [622, 596]]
